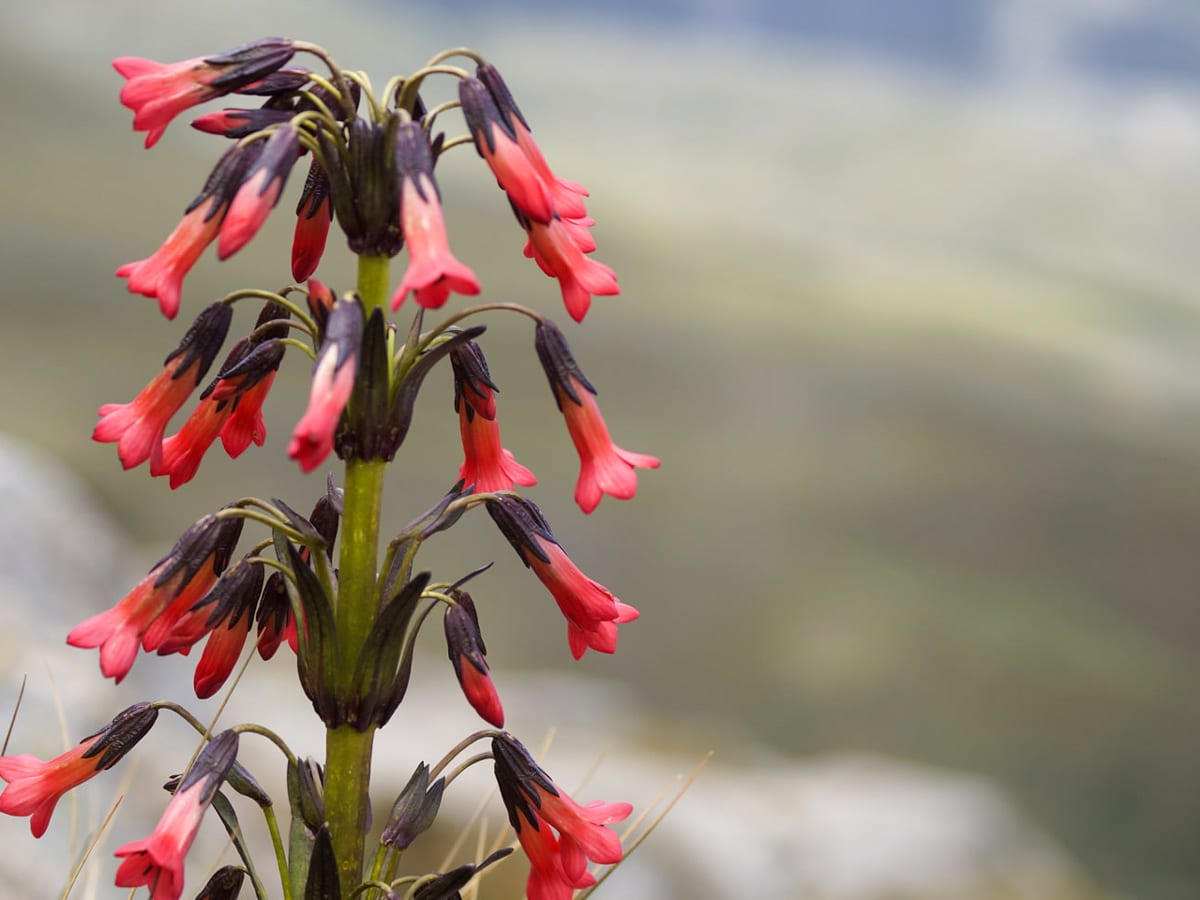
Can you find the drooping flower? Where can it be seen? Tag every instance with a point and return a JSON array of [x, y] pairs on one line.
[[157, 92], [161, 274], [314, 214], [187, 571], [260, 191], [464, 643], [247, 365], [333, 380], [137, 427], [566, 196], [535, 805], [591, 610], [604, 467], [274, 618], [34, 787], [487, 464], [432, 272], [229, 609], [559, 255], [240, 123], [157, 862], [245, 425]]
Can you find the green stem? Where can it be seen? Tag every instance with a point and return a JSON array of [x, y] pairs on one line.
[[347, 751]]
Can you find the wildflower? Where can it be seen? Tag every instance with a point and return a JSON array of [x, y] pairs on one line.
[[604, 467], [535, 805], [314, 214], [554, 247], [34, 787], [245, 424], [229, 608], [157, 92], [240, 123], [433, 272], [161, 274], [464, 642], [275, 620], [137, 427], [157, 862], [333, 380], [591, 610], [567, 196], [487, 465], [259, 191]]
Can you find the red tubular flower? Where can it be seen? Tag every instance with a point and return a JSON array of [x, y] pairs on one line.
[[240, 123], [187, 571], [161, 274], [157, 92], [487, 465], [34, 787], [245, 425], [137, 427], [246, 367], [259, 191], [558, 862], [554, 247], [433, 272], [604, 467], [591, 610], [275, 621], [314, 214], [566, 196], [333, 380], [464, 643], [228, 613], [157, 862]]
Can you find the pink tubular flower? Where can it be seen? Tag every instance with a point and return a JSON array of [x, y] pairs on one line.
[[260, 191], [137, 427], [157, 92], [314, 214], [591, 610], [157, 862], [34, 787], [433, 272], [487, 465], [333, 381], [464, 643], [187, 571], [535, 805], [556, 251], [604, 467], [161, 274]]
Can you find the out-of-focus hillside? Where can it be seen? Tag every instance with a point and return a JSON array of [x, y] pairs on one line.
[[919, 360]]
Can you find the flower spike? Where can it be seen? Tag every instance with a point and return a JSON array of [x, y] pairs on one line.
[[604, 467], [157, 92], [157, 862], [433, 272], [535, 805], [592, 612], [34, 787]]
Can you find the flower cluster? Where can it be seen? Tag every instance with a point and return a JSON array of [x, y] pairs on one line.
[[350, 619]]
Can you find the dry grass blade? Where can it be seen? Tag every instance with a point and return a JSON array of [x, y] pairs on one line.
[[13, 720], [92, 844]]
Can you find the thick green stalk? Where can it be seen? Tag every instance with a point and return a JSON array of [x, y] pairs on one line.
[[347, 751]]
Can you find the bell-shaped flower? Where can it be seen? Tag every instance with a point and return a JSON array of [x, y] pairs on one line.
[[34, 787], [260, 191], [179, 579], [604, 467], [464, 644], [554, 246], [433, 272], [487, 465], [161, 274], [157, 92], [314, 214], [333, 381], [157, 862], [591, 610], [137, 427], [535, 805]]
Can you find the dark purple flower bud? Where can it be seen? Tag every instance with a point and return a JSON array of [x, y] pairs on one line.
[[238, 123], [225, 884], [472, 381], [560, 367], [414, 810]]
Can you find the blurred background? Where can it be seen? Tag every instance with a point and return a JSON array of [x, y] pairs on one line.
[[909, 313]]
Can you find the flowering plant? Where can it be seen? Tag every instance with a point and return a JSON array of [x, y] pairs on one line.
[[318, 582]]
